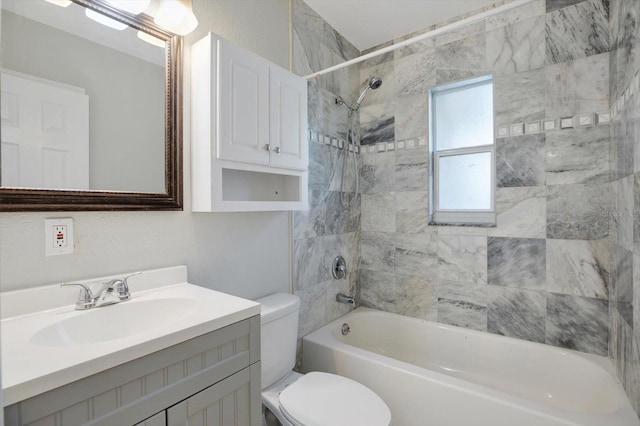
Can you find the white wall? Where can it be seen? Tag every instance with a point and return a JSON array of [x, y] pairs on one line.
[[244, 254], [261, 26]]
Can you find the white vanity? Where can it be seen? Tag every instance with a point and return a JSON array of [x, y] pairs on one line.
[[175, 354]]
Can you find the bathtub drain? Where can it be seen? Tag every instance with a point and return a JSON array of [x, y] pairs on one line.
[[345, 329]]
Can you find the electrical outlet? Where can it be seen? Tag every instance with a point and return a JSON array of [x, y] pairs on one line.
[[59, 238]]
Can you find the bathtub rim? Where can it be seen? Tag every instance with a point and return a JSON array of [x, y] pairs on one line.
[[324, 337]]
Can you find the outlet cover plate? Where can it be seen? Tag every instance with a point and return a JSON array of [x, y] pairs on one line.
[[52, 245]]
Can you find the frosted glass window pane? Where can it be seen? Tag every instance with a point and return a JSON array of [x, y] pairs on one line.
[[464, 117], [465, 182]]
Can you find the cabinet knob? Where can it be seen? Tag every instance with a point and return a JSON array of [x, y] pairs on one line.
[[276, 150], [267, 147]]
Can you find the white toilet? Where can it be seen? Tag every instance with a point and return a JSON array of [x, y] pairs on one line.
[[312, 399]]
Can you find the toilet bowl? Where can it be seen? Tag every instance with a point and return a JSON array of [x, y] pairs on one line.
[[312, 399]]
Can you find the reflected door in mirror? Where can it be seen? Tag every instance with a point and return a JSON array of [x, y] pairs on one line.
[[45, 134], [124, 78]]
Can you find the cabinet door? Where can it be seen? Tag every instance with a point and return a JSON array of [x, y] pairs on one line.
[[243, 110], [234, 401], [288, 97]]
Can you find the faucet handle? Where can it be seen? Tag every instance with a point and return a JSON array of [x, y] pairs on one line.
[[339, 268], [131, 275], [123, 291], [85, 297]]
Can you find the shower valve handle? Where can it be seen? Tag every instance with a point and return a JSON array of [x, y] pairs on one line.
[[339, 268]]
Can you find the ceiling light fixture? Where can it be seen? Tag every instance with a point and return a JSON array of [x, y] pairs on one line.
[[111, 23], [176, 16], [151, 39], [132, 6]]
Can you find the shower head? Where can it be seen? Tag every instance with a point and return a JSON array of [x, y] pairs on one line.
[[374, 83]]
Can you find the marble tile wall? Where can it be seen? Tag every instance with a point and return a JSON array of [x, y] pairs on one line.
[[562, 266], [623, 213], [543, 273], [326, 230]]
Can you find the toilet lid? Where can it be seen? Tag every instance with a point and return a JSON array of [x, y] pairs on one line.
[[321, 399]]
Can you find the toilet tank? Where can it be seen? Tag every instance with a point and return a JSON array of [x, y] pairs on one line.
[[279, 335]]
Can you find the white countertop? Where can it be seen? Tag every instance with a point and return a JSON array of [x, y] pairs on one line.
[[30, 368]]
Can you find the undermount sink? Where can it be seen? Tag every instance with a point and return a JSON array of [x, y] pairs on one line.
[[116, 321]]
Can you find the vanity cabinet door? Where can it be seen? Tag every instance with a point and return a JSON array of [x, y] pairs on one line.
[[235, 400], [159, 419], [243, 105]]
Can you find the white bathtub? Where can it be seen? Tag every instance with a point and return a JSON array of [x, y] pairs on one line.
[[432, 374]]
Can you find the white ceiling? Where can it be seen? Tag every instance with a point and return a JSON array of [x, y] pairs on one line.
[[368, 23]]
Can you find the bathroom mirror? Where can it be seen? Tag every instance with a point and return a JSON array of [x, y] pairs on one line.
[[91, 109]]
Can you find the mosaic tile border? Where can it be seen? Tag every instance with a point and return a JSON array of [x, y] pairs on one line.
[[514, 129], [577, 121], [322, 139], [413, 143]]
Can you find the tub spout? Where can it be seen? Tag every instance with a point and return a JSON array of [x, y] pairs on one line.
[[341, 298]]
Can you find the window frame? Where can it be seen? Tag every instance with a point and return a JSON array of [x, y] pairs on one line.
[[475, 217]]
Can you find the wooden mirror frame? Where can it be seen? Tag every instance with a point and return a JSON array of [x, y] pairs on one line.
[[27, 199]]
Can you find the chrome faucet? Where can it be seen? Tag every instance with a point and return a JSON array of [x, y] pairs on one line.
[[342, 298], [85, 298], [111, 292]]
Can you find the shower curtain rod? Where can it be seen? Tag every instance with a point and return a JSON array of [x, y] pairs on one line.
[[428, 34]]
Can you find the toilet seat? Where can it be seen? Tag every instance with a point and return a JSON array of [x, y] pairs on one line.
[[321, 399]]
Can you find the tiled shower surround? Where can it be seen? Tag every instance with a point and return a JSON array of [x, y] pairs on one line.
[[624, 300], [559, 266], [326, 230], [542, 274]]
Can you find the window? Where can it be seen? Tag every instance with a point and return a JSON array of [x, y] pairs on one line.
[[462, 153]]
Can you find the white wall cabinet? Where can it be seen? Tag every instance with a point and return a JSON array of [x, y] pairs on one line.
[[288, 120], [243, 105], [213, 379], [249, 131]]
